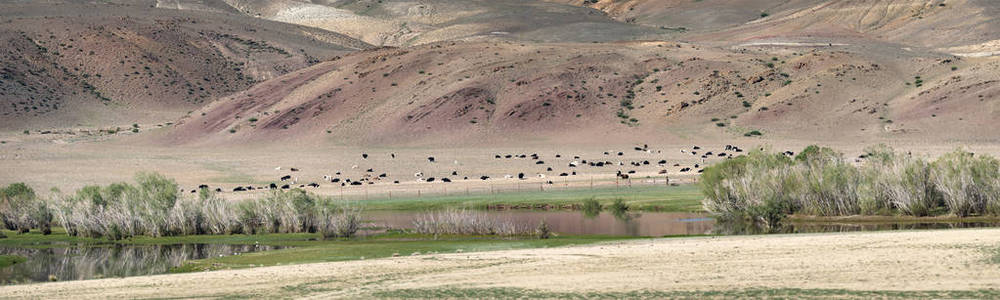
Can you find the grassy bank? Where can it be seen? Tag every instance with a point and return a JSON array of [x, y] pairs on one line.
[[308, 247], [381, 246], [684, 198], [9, 260]]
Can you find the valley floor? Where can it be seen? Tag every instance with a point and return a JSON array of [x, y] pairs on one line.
[[957, 263]]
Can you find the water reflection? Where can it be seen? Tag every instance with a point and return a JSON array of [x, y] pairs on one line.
[[85, 262], [580, 222]]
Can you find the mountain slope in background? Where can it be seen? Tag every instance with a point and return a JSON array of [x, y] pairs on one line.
[[96, 65]]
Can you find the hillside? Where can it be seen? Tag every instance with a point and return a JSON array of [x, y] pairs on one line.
[[628, 92], [110, 64], [405, 23]]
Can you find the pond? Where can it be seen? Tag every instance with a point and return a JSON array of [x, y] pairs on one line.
[[71, 262], [657, 224]]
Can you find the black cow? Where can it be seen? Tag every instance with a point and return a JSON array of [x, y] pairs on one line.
[[218, 190], [370, 170], [285, 187], [496, 156], [558, 156], [696, 148], [563, 174], [520, 175], [539, 162], [286, 177], [335, 180], [431, 159], [430, 179], [294, 169], [315, 185], [620, 153], [662, 162], [549, 169], [356, 183], [364, 155], [574, 173], [484, 177], [192, 191], [507, 156], [203, 186], [454, 173], [395, 181], [445, 179], [273, 186], [382, 175]]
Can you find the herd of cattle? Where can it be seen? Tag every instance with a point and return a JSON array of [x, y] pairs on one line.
[[369, 176]]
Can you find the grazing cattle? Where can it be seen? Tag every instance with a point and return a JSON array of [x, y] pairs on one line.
[[696, 165], [364, 155], [722, 154], [356, 183], [203, 186], [685, 169], [383, 175], [294, 169], [576, 157], [273, 186], [286, 177], [708, 153], [520, 175], [484, 177], [507, 156], [239, 189], [558, 156], [539, 162], [662, 162], [496, 156], [395, 181], [249, 188], [430, 179], [335, 180], [563, 174], [631, 171], [606, 153], [600, 164], [677, 165], [315, 185], [285, 187], [549, 169], [638, 149], [338, 173], [370, 170], [445, 179], [701, 170], [696, 148], [663, 172], [418, 174], [431, 159], [574, 173], [573, 164], [645, 162], [393, 156], [454, 173], [620, 153], [729, 147], [192, 191], [218, 190]]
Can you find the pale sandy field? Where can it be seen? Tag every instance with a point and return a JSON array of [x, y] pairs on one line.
[[940, 260]]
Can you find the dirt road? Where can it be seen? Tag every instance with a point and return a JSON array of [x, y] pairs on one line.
[[846, 263]]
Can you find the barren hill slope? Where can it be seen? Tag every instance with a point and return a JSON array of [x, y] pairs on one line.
[[627, 92], [952, 26], [403, 23], [100, 64]]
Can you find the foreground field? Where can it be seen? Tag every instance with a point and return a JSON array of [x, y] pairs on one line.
[[905, 264]]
